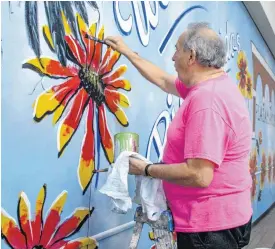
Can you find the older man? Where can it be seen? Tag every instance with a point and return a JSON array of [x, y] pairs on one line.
[[205, 161]]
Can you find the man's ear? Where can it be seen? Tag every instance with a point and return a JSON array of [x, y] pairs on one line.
[[192, 57]]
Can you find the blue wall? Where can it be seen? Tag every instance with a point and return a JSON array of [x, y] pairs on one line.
[[30, 149]]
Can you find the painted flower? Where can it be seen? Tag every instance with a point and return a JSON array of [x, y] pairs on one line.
[[254, 187], [260, 137], [263, 169], [253, 169], [253, 161], [243, 76], [249, 93], [90, 83], [44, 234], [269, 163]]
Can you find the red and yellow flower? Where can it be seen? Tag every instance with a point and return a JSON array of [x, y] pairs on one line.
[[269, 163], [48, 233], [253, 161], [263, 169], [253, 169], [260, 137], [90, 83], [243, 76]]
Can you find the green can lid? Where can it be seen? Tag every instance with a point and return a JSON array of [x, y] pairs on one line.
[[126, 134]]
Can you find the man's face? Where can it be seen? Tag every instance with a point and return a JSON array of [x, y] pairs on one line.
[[181, 60]]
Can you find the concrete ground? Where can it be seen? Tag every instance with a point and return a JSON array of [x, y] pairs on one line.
[[263, 232]]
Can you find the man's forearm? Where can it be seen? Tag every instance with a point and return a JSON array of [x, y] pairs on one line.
[[180, 174], [148, 70]]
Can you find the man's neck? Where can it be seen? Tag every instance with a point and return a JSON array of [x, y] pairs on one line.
[[203, 75]]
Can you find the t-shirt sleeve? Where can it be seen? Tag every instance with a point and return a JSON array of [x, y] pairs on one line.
[[206, 136], [181, 88]]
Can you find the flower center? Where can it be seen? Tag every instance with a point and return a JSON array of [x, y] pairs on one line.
[[38, 247], [92, 84]]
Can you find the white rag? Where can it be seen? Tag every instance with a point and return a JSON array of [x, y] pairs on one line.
[[149, 191]]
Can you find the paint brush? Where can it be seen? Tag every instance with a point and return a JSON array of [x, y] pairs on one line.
[[100, 41], [100, 170], [96, 39]]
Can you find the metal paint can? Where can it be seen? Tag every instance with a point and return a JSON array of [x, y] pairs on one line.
[[126, 141]]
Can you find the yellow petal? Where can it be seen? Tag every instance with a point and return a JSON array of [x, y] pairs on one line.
[[64, 135], [81, 24], [92, 30], [24, 209], [6, 222], [101, 33], [48, 36], [45, 103], [85, 172], [242, 90], [57, 114], [123, 100], [241, 56], [238, 76], [40, 200], [66, 25], [59, 202], [121, 116]]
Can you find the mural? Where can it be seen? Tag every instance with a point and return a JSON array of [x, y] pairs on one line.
[[90, 81], [57, 68], [263, 127], [48, 233]]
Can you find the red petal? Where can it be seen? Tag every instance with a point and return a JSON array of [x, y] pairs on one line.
[[98, 51], [89, 44], [106, 57], [61, 89], [50, 68], [24, 218], [71, 225], [107, 67], [117, 97], [37, 223], [11, 233], [120, 71], [68, 127], [123, 84], [105, 137], [48, 101], [113, 99], [59, 245], [87, 157], [89, 243], [76, 50], [53, 219]]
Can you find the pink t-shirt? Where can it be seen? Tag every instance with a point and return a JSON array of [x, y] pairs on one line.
[[212, 123]]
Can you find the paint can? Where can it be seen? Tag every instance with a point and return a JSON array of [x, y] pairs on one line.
[[126, 141]]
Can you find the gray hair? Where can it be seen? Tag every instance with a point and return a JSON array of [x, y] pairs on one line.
[[210, 49]]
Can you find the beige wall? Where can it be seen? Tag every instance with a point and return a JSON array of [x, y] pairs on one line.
[[262, 13]]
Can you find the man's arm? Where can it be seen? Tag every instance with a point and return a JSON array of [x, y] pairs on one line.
[[194, 173], [147, 69]]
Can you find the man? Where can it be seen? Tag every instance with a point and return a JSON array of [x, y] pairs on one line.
[[205, 161]]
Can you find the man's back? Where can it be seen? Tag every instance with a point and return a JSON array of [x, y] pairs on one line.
[[212, 123]]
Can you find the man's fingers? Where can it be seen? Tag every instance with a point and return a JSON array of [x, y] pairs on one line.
[[111, 39], [111, 43]]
